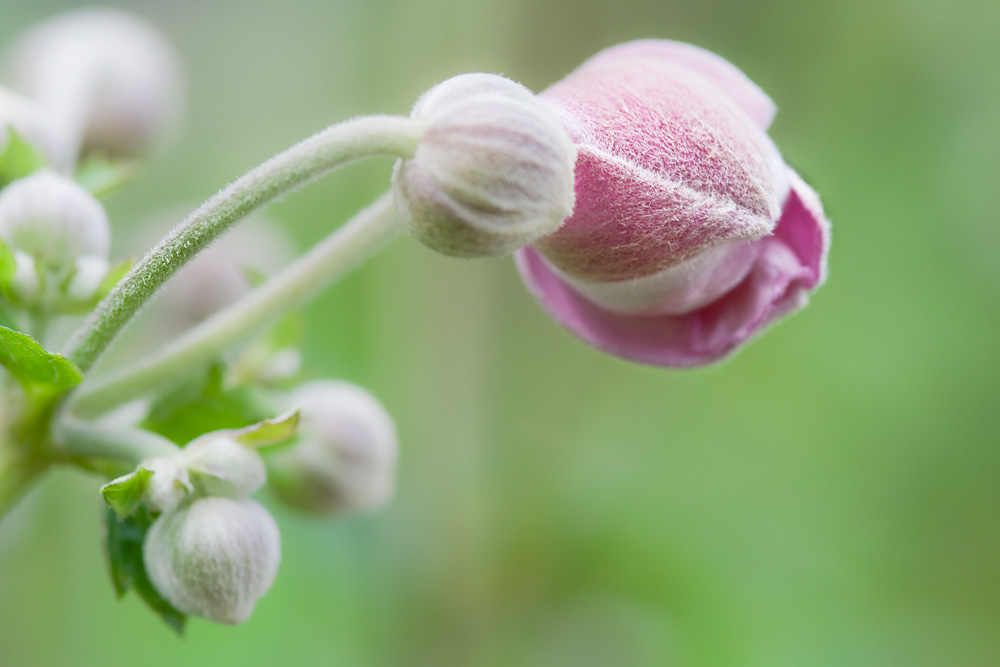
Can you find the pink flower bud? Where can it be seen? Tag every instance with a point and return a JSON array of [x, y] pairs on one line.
[[690, 234]]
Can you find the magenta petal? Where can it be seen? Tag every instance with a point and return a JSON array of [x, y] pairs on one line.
[[791, 262]]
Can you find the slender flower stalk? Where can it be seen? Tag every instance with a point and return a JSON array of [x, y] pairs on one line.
[[303, 163], [75, 438], [340, 252]]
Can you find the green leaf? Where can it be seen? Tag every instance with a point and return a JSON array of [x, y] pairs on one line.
[[269, 431], [123, 548], [102, 176], [124, 494], [205, 404], [19, 158], [8, 264], [33, 365]]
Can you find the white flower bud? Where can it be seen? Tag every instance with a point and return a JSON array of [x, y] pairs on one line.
[[168, 486], [345, 459], [87, 278], [25, 283], [214, 557], [115, 77], [54, 220], [36, 126], [220, 466], [493, 171]]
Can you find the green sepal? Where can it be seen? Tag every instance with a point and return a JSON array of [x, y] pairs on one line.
[[123, 548], [205, 404], [124, 495], [34, 366], [19, 158], [102, 176], [269, 432]]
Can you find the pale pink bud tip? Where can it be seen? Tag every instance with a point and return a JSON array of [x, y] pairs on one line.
[[668, 167], [492, 173]]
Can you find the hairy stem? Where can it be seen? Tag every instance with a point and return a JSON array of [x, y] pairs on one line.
[[320, 154], [335, 256], [77, 440]]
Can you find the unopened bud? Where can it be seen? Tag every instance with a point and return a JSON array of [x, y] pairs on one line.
[[220, 466], [115, 77], [25, 283], [493, 171], [345, 459], [90, 273], [54, 220], [168, 486], [36, 126], [214, 557]]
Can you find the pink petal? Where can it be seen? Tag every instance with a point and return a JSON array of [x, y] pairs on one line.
[[668, 167], [725, 76], [791, 262]]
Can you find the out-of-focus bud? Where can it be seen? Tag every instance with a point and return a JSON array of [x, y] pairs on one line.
[[345, 459], [220, 466], [54, 220], [169, 485], [493, 171], [36, 126], [214, 557], [111, 77], [90, 273], [222, 273]]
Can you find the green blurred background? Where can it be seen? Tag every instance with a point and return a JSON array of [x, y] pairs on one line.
[[828, 497]]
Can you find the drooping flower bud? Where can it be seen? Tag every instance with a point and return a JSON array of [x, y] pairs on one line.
[[345, 459], [492, 173], [689, 234], [54, 220], [214, 557], [220, 466], [112, 78]]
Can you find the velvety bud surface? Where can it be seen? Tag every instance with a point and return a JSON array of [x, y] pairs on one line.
[[689, 234], [492, 173]]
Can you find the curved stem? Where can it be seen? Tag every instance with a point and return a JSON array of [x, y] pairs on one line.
[[320, 154], [335, 256]]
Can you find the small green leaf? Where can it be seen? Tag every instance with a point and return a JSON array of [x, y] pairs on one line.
[[205, 404], [125, 493], [269, 431], [19, 158], [33, 365], [123, 548], [102, 176]]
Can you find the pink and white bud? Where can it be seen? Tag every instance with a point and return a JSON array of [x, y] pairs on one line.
[[492, 173], [214, 557], [689, 234], [345, 459], [112, 78], [54, 220]]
